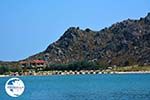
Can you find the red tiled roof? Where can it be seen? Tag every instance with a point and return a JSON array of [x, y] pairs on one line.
[[33, 61], [38, 61]]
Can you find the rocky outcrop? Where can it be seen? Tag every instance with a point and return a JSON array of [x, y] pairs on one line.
[[123, 44]]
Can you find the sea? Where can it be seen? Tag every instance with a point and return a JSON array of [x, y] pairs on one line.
[[82, 87]]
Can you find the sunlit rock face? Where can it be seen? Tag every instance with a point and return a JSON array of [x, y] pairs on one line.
[[122, 44]]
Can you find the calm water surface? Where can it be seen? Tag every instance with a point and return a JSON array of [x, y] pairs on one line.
[[83, 87]]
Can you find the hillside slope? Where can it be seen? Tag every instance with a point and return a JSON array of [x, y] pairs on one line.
[[123, 44]]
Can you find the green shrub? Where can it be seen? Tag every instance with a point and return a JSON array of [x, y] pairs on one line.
[[3, 69], [81, 65]]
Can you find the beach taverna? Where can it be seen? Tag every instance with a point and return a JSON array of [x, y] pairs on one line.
[[33, 64]]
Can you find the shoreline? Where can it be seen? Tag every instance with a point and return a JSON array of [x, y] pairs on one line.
[[134, 72], [85, 72]]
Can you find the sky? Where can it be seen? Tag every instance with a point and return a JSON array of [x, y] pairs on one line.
[[27, 27]]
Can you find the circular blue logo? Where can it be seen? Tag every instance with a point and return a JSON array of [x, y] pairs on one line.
[[14, 87]]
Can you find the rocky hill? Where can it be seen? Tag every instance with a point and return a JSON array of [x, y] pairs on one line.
[[122, 44]]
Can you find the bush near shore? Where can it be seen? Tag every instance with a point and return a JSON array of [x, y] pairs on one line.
[[75, 66], [82, 65], [7, 69], [131, 68]]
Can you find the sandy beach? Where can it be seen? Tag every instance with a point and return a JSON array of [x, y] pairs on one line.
[[46, 73]]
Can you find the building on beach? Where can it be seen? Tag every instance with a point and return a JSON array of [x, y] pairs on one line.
[[33, 64]]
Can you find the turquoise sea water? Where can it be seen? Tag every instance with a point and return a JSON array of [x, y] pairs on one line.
[[83, 87]]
